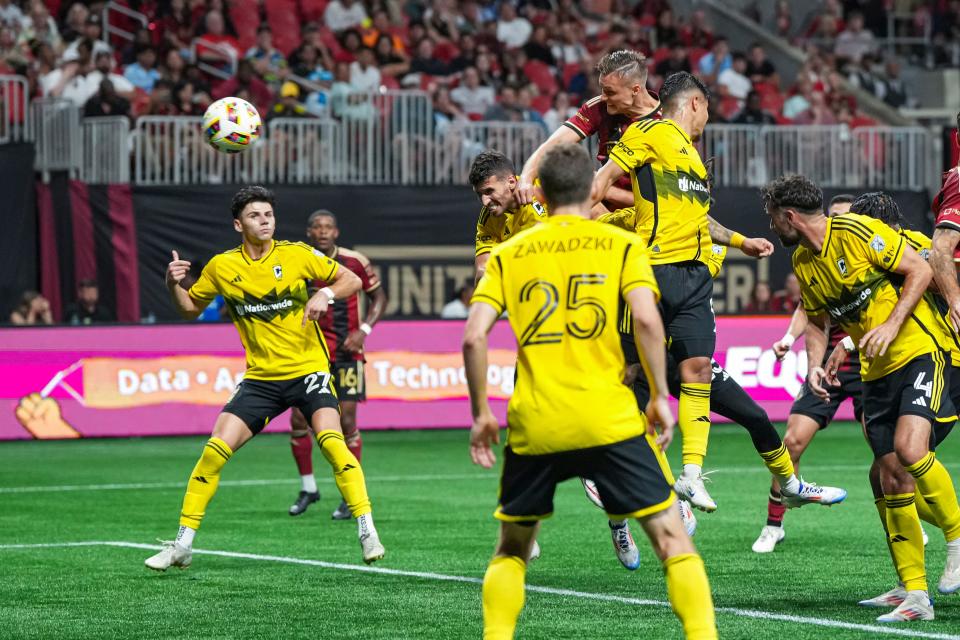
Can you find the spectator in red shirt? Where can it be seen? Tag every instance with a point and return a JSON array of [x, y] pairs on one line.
[[788, 299], [760, 301], [247, 80], [215, 33]]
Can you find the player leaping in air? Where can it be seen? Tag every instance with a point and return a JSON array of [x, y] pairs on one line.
[[264, 283]]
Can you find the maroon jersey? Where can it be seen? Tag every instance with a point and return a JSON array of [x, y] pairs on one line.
[[593, 118], [343, 317], [835, 335], [946, 206]]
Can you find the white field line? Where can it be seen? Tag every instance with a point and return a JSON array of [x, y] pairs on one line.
[[909, 632], [180, 484]]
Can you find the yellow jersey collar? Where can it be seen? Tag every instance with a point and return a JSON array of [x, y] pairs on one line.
[[246, 256]]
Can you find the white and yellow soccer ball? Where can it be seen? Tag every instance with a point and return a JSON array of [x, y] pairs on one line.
[[231, 125]]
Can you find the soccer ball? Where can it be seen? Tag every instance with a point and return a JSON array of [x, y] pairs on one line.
[[231, 125]]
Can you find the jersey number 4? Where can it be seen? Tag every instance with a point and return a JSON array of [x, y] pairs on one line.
[[576, 299]]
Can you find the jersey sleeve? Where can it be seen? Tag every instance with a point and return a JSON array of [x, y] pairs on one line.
[[635, 147], [625, 219], [586, 120], [485, 240], [316, 264], [369, 280], [715, 260], [530, 215], [885, 247], [207, 286], [810, 299], [490, 287], [948, 202], [637, 271]]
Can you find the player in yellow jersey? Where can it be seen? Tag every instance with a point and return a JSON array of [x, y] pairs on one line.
[[882, 207], [264, 284], [672, 198], [863, 275], [570, 414], [494, 180]]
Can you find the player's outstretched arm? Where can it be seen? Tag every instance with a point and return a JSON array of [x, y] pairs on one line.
[[917, 277], [798, 324], [650, 339], [485, 431], [526, 192], [815, 339], [945, 270], [603, 180], [344, 284], [186, 306], [753, 247]]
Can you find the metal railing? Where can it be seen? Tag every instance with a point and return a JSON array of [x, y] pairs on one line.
[[110, 29], [14, 109], [105, 150], [55, 130], [833, 156], [455, 147]]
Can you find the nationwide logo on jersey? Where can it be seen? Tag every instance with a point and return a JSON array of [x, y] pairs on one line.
[[877, 244], [278, 272], [681, 184], [847, 308], [842, 266], [272, 304]]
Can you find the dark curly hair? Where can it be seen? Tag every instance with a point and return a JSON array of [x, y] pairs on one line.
[[248, 194], [793, 191], [879, 205], [488, 164], [678, 84]]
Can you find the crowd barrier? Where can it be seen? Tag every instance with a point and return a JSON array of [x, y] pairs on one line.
[[174, 379]]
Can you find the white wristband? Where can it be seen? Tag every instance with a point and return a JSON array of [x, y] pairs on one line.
[[848, 344], [788, 340], [327, 291], [367, 329]]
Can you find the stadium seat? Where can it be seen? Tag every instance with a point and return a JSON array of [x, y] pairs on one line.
[[729, 107], [659, 56], [312, 10], [695, 55], [542, 103], [541, 75], [772, 102], [569, 70]]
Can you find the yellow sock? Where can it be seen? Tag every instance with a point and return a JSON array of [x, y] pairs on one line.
[[502, 596], [346, 472], [203, 482], [923, 509], [936, 487], [906, 540], [689, 593], [778, 462], [694, 421]]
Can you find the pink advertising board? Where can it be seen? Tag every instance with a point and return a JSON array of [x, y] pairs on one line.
[[66, 382]]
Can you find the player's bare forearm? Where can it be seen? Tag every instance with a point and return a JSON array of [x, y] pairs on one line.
[[345, 283], [531, 168], [815, 339], [649, 335], [479, 266], [603, 180], [481, 319], [917, 276], [753, 247], [378, 304], [719, 233], [798, 322], [941, 262], [186, 306], [620, 198]]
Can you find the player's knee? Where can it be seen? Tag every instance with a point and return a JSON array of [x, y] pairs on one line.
[[697, 370], [299, 433], [911, 453], [893, 477], [795, 445], [351, 437]]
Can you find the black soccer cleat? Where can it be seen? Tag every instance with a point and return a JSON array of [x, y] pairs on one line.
[[342, 512], [304, 500]]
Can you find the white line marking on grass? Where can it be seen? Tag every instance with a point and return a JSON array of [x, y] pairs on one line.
[[234, 483], [910, 632]]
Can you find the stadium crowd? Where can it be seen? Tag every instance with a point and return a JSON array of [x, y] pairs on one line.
[[530, 61]]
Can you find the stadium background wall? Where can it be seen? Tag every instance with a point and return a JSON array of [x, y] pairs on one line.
[[18, 242], [420, 238]]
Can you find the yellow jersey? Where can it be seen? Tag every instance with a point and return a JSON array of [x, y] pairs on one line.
[[266, 298], [670, 190], [561, 283], [492, 230], [852, 280], [718, 253]]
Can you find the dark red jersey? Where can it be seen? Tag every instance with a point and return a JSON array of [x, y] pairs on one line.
[[593, 118], [343, 317], [946, 206], [835, 335]]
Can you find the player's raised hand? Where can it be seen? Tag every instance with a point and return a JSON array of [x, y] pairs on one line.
[[782, 346], [177, 270], [660, 421], [955, 315], [836, 360], [316, 307], [526, 191], [816, 378], [757, 247], [484, 433]]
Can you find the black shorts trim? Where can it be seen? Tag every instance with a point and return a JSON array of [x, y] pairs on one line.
[[631, 478], [257, 402]]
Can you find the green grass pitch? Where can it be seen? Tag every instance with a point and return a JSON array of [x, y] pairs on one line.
[[433, 510]]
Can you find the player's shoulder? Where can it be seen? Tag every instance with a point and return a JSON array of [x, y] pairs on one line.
[[916, 239], [354, 255], [536, 209], [485, 218], [855, 226], [802, 256], [296, 247]]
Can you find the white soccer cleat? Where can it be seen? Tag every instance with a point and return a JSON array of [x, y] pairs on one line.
[[171, 555], [916, 606], [926, 538], [371, 547], [694, 491], [950, 580], [770, 537], [892, 598], [627, 552], [811, 493], [534, 552], [590, 488], [686, 515]]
